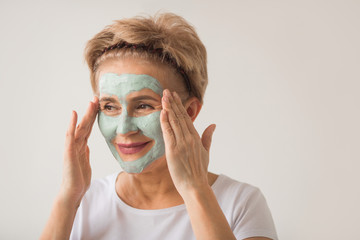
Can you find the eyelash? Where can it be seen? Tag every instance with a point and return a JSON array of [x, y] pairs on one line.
[[145, 106], [140, 106], [109, 108]]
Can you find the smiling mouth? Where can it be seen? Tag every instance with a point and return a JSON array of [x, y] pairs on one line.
[[132, 148]]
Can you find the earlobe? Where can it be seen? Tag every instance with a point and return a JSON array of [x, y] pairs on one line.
[[193, 107]]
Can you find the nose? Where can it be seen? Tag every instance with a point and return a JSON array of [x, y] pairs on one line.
[[126, 124]]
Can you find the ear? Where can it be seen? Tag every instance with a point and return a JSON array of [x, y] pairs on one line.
[[193, 107]]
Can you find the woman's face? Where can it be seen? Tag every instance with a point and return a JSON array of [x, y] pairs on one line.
[[130, 92]]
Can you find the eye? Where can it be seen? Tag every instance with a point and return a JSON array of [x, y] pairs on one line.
[[111, 109], [145, 106]]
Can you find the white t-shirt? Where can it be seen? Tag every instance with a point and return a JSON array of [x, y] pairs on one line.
[[103, 215]]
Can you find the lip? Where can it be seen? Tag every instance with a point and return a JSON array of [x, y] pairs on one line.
[[132, 148]]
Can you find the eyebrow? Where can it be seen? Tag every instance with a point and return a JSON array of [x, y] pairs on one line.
[[108, 99], [145, 97]]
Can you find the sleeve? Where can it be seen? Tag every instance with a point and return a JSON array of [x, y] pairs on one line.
[[253, 217]]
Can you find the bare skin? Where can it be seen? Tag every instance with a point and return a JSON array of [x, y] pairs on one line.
[[179, 177], [76, 175]]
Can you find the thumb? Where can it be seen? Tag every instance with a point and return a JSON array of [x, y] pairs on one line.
[[207, 136]]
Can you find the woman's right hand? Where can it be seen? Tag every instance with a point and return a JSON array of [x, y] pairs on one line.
[[77, 170], [76, 175]]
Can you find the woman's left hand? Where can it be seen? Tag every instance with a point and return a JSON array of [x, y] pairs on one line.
[[187, 154]]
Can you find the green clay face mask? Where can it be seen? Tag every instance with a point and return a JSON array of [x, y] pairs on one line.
[[119, 87]]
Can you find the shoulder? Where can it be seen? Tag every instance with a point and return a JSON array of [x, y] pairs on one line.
[[98, 198], [101, 188], [245, 207], [226, 188], [95, 204]]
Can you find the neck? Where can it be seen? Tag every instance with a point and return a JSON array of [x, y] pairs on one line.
[[151, 189]]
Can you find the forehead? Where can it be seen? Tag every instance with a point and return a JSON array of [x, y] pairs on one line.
[[122, 85], [163, 73]]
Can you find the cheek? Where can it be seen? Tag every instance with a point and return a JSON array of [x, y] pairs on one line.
[[150, 125], [107, 125]]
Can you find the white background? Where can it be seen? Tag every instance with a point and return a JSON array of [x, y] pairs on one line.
[[284, 83]]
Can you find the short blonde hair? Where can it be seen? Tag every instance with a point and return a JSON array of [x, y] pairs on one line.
[[166, 31]]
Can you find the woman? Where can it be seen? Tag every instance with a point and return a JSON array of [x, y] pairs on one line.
[[149, 77]]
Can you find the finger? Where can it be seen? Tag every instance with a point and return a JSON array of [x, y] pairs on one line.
[[95, 104], [92, 111], [70, 137], [84, 128], [87, 165], [172, 118], [86, 161], [71, 129], [186, 118], [181, 115], [168, 133], [207, 136], [87, 154]]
